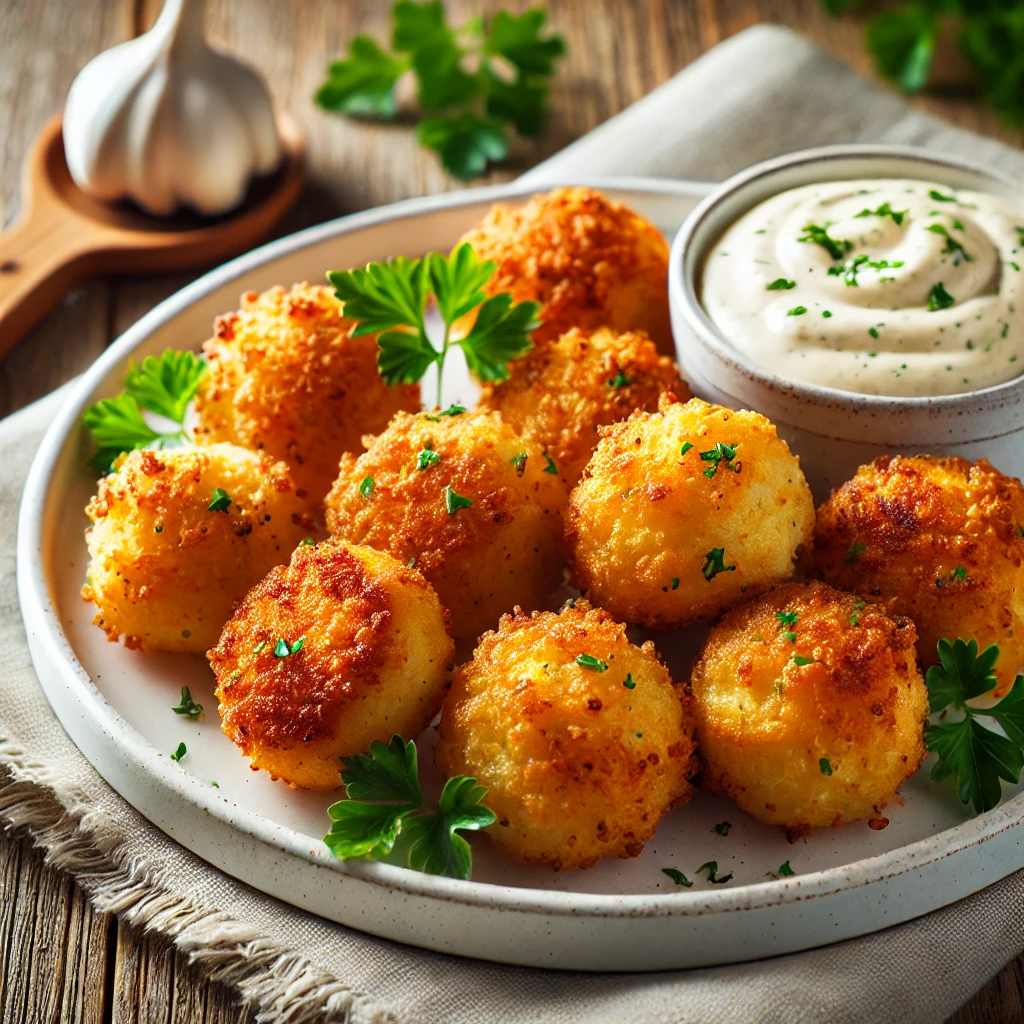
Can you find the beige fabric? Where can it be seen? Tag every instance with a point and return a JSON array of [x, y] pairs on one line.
[[764, 92]]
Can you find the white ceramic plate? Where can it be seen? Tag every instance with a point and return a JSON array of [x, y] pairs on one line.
[[621, 915]]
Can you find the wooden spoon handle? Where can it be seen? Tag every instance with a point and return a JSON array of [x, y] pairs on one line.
[[43, 255]]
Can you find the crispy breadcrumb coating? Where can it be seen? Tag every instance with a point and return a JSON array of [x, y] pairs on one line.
[[165, 569], [938, 540], [561, 392], [504, 549], [343, 646], [579, 762], [286, 376], [812, 719], [662, 536], [589, 261]]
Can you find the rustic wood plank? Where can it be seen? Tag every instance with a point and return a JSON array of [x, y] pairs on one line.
[[55, 945]]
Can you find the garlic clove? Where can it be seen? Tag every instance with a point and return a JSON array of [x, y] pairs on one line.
[[168, 121]]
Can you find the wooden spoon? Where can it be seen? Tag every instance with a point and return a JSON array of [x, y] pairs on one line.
[[63, 236]]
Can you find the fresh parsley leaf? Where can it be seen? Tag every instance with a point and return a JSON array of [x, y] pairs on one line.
[[902, 43], [384, 296], [384, 801], [180, 751], [677, 876], [466, 142], [885, 210], [721, 454], [221, 501], [453, 502], [363, 84], [779, 284], [800, 661], [187, 707], [975, 755], [165, 384], [519, 41], [522, 102], [443, 82], [837, 248], [939, 298], [797, 311], [418, 25], [710, 869], [458, 280], [500, 334], [687, 445], [589, 661], [427, 458], [714, 563], [117, 426]]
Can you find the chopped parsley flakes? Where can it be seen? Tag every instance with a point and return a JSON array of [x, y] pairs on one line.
[[823, 764], [714, 563], [187, 707], [366, 487], [677, 876], [837, 248], [453, 502], [721, 453], [221, 500], [589, 661], [427, 458], [939, 298], [780, 284]]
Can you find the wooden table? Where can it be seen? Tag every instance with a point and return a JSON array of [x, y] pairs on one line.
[[63, 962]]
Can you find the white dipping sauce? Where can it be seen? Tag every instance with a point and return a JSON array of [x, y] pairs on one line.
[[883, 287]]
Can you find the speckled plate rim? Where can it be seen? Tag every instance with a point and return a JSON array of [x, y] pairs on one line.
[[51, 650]]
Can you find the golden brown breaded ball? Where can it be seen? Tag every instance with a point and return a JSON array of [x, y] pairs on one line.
[[166, 570], [561, 392], [685, 512], [938, 540], [580, 737], [589, 261], [810, 707], [408, 492], [286, 376], [343, 646]]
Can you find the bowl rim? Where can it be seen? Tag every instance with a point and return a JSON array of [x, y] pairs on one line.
[[683, 273]]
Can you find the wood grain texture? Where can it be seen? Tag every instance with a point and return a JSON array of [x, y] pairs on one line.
[[60, 960]]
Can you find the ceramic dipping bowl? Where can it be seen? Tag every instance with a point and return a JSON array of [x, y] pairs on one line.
[[836, 431]]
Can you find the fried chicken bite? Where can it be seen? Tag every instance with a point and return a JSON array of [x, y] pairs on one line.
[[810, 707], [467, 501], [938, 540], [342, 646], [685, 512], [286, 376], [580, 737], [560, 393], [180, 535], [589, 261]]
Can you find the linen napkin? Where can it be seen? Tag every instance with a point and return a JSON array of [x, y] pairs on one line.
[[764, 92]]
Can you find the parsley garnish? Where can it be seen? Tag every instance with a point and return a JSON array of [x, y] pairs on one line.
[[162, 384], [674, 583], [589, 661], [818, 234], [620, 381], [785, 870], [711, 870], [426, 458], [952, 246], [221, 500], [677, 876], [780, 284], [800, 661], [797, 311], [477, 80], [687, 445], [939, 197], [519, 461], [721, 453], [629, 682], [855, 551], [366, 487], [885, 210], [939, 298], [180, 751], [722, 828], [974, 754], [855, 617], [453, 502], [385, 801], [188, 707], [849, 269], [307, 542], [259, 647], [714, 563], [550, 467], [788, 619], [282, 648], [823, 764], [390, 299]]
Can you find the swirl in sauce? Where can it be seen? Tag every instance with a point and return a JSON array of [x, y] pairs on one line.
[[883, 287]]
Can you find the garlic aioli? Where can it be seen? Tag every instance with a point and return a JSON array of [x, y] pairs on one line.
[[882, 286]]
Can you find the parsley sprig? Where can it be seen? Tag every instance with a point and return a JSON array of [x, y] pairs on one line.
[[385, 802], [473, 82], [163, 385], [390, 299], [188, 707], [974, 754], [837, 248]]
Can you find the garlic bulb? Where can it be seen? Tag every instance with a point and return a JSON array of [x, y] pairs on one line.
[[167, 121]]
